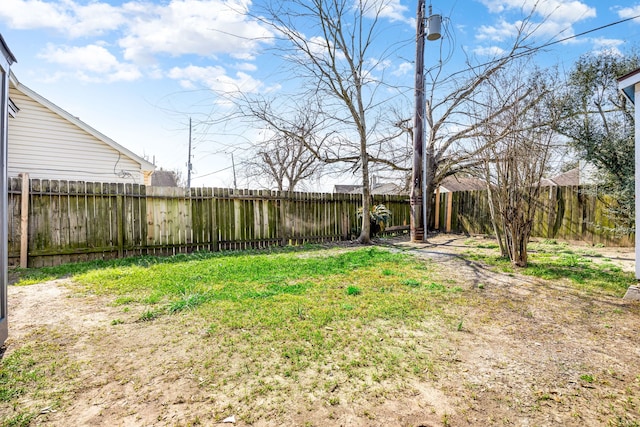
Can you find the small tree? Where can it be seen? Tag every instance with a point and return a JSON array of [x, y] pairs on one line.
[[518, 145]]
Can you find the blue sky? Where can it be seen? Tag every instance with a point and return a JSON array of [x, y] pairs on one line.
[[136, 70]]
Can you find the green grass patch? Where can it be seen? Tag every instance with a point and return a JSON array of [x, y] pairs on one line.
[[18, 372], [411, 282], [30, 379], [552, 260], [305, 308]]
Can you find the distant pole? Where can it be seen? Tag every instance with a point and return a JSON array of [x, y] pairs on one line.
[[189, 159], [233, 165], [415, 199]]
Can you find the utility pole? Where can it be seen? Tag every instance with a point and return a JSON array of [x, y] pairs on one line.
[[415, 199], [189, 159], [418, 221]]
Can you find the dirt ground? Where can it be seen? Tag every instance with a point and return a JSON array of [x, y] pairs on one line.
[[540, 354]]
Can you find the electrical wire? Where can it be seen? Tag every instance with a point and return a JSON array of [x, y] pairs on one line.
[[211, 173], [538, 48]]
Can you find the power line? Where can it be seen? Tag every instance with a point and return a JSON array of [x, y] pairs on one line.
[[212, 173], [551, 43]]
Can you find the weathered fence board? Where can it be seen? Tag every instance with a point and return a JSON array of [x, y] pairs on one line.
[[72, 221], [565, 213]]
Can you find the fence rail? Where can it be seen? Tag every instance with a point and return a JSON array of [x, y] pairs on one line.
[[77, 221]]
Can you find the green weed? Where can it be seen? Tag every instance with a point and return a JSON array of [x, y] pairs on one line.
[[411, 282], [149, 315], [354, 290], [588, 378]]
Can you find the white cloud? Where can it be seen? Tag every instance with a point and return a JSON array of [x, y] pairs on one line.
[[123, 39], [503, 30], [91, 63], [246, 66], [96, 18], [144, 30], [216, 79], [558, 10], [28, 14], [629, 12], [201, 27], [555, 17], [66, 17], [390, 9], [404, 69], [492, 51], [604, 43], [608, 45]]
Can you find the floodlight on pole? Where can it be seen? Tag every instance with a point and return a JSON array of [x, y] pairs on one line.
[[418, 220]]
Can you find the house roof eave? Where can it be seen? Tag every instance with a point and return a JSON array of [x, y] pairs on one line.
[[627, 84], [4, 48]]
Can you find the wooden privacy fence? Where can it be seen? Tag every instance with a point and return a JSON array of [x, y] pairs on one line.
[[52, 222], [566, 213]]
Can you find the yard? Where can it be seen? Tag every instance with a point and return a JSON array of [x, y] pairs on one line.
[[437, 334]]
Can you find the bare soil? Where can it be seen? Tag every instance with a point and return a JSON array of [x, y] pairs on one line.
[[530, 353]]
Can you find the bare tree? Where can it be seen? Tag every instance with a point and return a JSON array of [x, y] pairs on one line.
[[517, 146], [330, 43], [283, 158]]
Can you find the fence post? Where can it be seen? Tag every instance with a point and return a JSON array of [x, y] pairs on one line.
[[24, 221], [449, 209], [213, 214], [120, 221], [437, 209]]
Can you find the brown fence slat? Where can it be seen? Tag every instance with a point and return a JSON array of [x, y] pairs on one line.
[[77, 220]]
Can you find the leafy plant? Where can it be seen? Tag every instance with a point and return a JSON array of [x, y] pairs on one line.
[[379, 216]]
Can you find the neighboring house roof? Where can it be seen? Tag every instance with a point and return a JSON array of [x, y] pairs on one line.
[[42, 124], [347, 189], [452, 183], [163, 178], [387, 188], [567, 179]]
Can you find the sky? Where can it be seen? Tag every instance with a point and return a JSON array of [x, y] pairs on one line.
[[137, 70]]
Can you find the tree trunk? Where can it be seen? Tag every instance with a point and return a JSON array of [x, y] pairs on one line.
[[430, 187], [365, 232]]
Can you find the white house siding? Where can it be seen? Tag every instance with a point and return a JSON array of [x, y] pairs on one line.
[[48, 146]]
